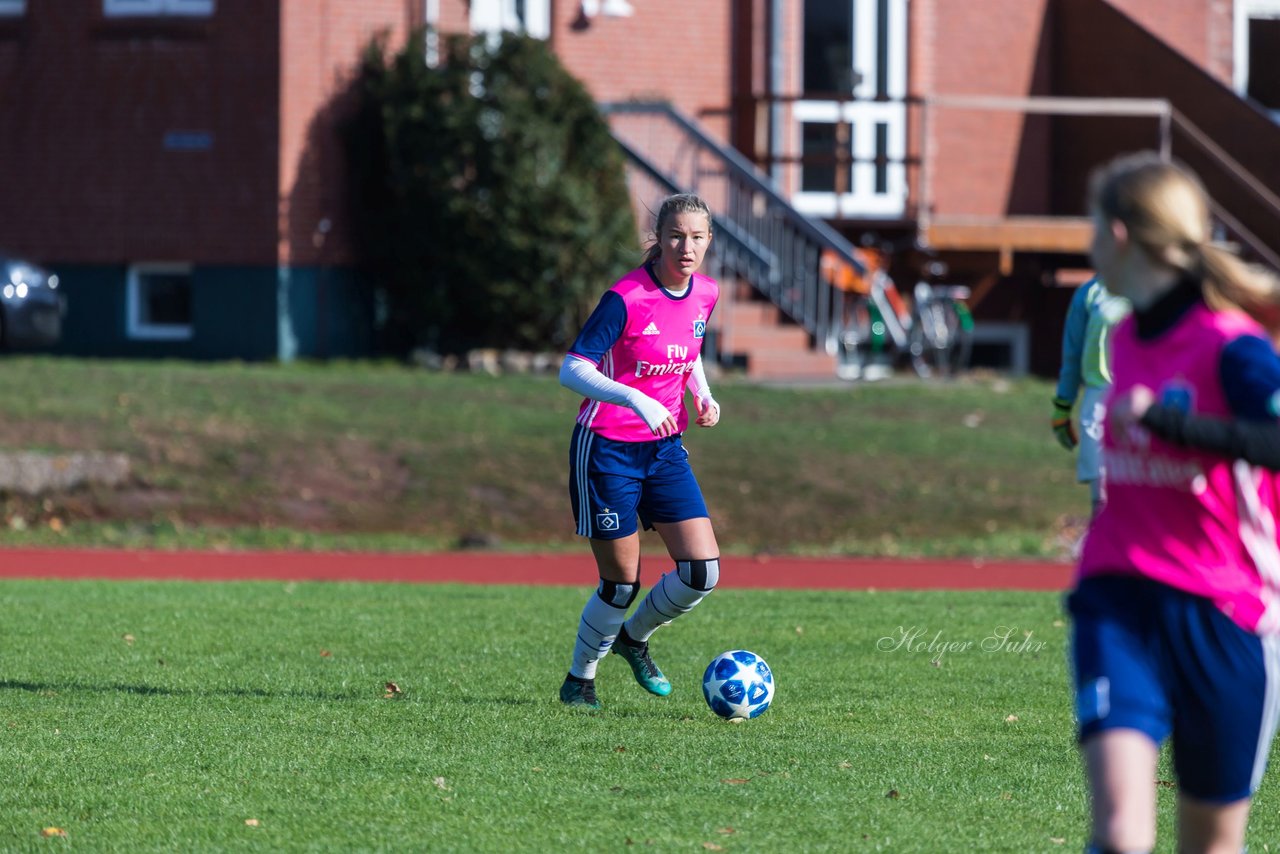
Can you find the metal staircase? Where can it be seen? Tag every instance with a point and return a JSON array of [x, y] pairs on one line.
[[772, 251]]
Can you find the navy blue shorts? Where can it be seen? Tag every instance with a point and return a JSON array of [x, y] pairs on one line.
[[611, 483], [1151, 658]]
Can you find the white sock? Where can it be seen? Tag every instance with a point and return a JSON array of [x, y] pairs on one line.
[[597, 630], [667, 599]]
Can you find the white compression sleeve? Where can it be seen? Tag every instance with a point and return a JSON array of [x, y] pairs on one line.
[[698, 384], [585, 378]]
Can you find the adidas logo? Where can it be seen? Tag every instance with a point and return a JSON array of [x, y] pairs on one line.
[[651, 329]]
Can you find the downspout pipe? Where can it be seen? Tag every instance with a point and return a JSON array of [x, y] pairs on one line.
[[775, 89]]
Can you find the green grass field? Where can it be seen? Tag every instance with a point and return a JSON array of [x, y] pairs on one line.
[[166, 716]]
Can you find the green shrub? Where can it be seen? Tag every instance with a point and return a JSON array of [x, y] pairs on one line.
[[490, 201]]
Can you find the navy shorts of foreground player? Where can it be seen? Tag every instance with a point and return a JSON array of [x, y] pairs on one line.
[[1152, 658], [611, 482]]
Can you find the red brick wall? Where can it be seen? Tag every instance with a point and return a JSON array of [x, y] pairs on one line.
[[321, 42], [86, 102], [1121, 60], [668, 50], [1198, 29], [982, 163], [987, 163]]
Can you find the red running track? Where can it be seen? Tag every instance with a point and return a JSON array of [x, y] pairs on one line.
[[499, 568]]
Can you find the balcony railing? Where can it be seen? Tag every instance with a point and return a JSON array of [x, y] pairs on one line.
[[760, 237]]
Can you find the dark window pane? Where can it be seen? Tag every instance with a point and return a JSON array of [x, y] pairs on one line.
[[882, 49], [166, 299], [819, 176], [1264, 61], [828, 46], [882, 151]]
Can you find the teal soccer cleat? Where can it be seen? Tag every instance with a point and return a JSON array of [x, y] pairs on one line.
[[646, 672], [579, 694]]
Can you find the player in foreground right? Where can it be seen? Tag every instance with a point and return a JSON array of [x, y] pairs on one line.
[[1175, 611]]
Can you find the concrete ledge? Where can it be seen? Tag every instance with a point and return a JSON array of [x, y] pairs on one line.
[[34, 473]]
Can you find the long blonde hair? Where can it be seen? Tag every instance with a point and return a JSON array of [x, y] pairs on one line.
[[1165, 210], [671, 206]]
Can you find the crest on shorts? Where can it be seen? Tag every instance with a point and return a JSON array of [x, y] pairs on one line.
[[606, 521]]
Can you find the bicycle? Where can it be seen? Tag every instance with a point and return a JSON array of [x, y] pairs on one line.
[[876, 325]]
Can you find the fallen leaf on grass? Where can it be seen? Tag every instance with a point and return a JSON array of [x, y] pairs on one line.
[[252, 822], [1010, 719], [725, 830], [736, 781], [711, 846], [892, 794], [324, 653], [1058, 840], [1166, 784], [846, 764], [439, 783], [129, 639], [393, 691], [620, 749], [53, 831]]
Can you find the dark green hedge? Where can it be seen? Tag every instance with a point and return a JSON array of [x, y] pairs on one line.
[[490, 201]]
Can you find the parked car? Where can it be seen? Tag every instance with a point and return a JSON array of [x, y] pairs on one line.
[[31, 306]]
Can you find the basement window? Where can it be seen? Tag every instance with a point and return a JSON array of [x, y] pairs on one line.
[[136, 8], [159, 302]]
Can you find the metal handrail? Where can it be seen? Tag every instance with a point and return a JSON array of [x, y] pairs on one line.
[[1244, 178], [747, 171], [774, 248], [1162, 109], [723, 227]]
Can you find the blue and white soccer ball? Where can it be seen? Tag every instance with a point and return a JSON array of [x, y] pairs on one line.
[[738, 685]]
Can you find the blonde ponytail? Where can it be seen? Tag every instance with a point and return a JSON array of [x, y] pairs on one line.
[[1229, 282], [1165, 209]]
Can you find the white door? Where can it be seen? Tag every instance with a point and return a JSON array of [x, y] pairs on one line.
[[857, 49]]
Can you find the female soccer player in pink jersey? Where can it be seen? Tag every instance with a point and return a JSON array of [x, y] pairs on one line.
[[1175, 610], [632, 361]]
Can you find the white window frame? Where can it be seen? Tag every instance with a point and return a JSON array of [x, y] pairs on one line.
[[13, 8], [1244, 10], [864, 115], [496, 16], [135, 325], [139, 8]]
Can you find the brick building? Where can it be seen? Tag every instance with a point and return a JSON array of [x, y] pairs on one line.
[[177, 162]]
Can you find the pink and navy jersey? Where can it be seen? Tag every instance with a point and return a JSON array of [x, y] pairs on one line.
[[1196, 521], [644, 337]]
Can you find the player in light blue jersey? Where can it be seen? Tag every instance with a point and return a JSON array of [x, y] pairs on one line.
[[1086, 362]]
